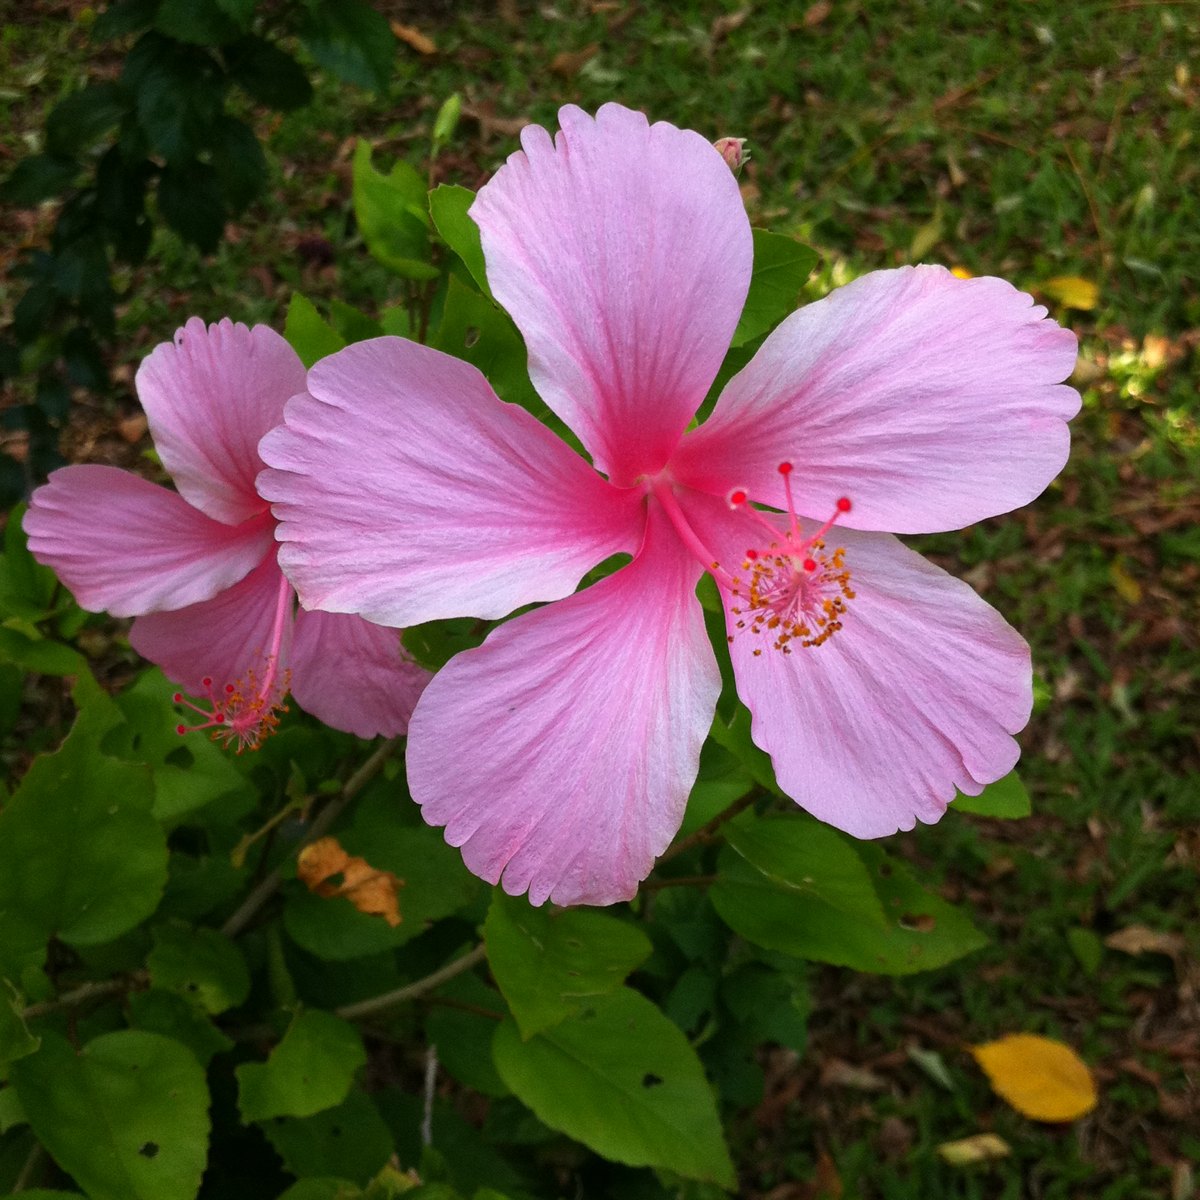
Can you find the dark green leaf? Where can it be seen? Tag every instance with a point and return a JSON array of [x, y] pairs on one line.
[[190, 201], [124, 16], [203, 22], [15, 1039], [351, 323], [350, 1141], [177, 1018], [81, 857], [781, 266], [435, 643], [622, 1079], [311, 1069], [353, 41], [549, 962], [179, 92], [239, 162], [201, 964], [308, 333], [1006, 797], [79, 120], [390, 211], [448, 205], [26, 587], [794, 885], [127, 1116], [735, 737], [268, 74], [41, 177], [461, 1031], [474, 329], [240, 11]]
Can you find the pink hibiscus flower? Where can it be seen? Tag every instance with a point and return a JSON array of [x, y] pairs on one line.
[[198, 567], [559, 754]]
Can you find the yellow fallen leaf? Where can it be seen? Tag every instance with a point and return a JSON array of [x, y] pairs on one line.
[[1042, 1079], [961, 273], [369, 889], [1072, 291], [980, 1147], [1126, 586]]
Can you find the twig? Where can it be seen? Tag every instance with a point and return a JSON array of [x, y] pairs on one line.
[[410, 991], [704, 834], [1101, 237], [325, 819], [655, 885], [96, 990], [29, 1170]]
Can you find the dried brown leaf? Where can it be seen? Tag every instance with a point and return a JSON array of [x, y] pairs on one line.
[[369, 889], [412, 37]]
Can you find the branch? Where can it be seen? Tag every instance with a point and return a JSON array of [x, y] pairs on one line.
[[96, 990], [328, 815], [410, 991], [703, 835]]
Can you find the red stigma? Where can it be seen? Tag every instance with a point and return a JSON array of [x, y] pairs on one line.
[[785, 468], [810, 565], [844, 505], [737, 496]]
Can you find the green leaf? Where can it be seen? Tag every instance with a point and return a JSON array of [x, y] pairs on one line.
[[352, 40], [189, 773], [269, 75], [127, 1116], [781, 267], [1006, 797], [174, 1017], [200, 963], [323, 1189], [80, 119], [179, 93], [81, 856], [38, 178], [190, 201], [15, 1039], [308, 333], [311, 1069], [462, 1032], [549, 962], [390, 211], [621, 1078], [735, 737], [474, 329], [241, 11], [202, 22], [350, 1141], [448, 205], [39, 654], [794, 885], [238, 160], [435, 643], [446, 121], [124, 16], [352, 323], [26, 587]]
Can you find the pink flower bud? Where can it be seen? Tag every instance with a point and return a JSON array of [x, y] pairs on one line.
[[733, 151]]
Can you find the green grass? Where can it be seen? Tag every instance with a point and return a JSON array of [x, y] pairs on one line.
[[1010, 138]]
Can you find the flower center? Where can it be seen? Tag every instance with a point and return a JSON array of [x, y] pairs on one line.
[[244, 713], [793, 589]]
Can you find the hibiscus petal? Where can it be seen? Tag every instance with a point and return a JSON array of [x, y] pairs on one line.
[[209, 397], [353, 675], [917, 694], [223, 638], [408, 492], [623, 253], [127, 546], [929, 400], [560, 753]]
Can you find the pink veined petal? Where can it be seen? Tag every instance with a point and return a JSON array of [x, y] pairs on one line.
[[930, 401], [623, 253], [408, 492], [209, 397], [917, 694], [127, 546], [559, 754], [223, 638], [353, 675]]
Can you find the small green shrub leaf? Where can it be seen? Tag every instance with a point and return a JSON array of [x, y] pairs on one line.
[[1006, 797], [201, 964], [549, 962], [390, 211], [781, 266], [621, 1078], [448, 205], [350, 1141], [311, 1069], [127, 1116], [308, 333], [80, 119], [351, 39]]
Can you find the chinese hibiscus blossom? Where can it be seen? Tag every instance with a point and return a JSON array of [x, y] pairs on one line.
[[198, 567], [559, 754]]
